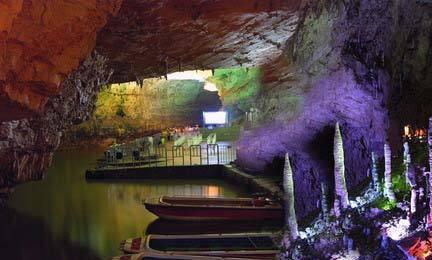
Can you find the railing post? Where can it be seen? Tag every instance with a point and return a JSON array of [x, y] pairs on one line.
[[200, 154], [166, 156], [217, 150], [208, 159], [190, 155], [173, 158]]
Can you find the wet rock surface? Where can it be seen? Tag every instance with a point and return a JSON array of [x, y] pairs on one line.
[[41, 42], [152, 38], [364, 64], [336, 68], [26, 145]]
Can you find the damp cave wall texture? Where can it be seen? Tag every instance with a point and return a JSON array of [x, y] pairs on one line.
[[27, 145], [44, 41], [41, 42], [364, 64]]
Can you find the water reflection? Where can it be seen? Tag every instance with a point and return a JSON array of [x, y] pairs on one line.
[[166, 227], [138, 193], [90, 217]]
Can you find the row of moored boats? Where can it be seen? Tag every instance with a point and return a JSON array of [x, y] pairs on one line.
[[207, 246]]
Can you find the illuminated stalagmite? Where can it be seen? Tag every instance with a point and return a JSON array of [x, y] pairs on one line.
[[289, 198], [430, 169], [324, 204], [388, 190], [375, 177], [341, 193], [406, 160]]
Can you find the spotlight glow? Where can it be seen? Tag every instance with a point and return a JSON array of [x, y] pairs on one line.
[[200, 75], [215, 118]]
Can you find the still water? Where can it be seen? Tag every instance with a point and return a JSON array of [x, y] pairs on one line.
[[65, 217]]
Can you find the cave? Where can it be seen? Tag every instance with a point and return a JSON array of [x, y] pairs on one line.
[[328, 104]]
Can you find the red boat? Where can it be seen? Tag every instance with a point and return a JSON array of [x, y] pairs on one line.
[[214, 209]]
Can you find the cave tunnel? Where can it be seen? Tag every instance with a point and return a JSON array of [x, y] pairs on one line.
[[317, 113]]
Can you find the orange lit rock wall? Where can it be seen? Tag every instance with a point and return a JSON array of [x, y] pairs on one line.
[[41, 42]]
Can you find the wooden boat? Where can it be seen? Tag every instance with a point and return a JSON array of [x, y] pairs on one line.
[[154, 256], [246, 246], [214, 209]]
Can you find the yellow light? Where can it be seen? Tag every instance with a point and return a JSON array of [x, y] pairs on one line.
[[406, 130], [213, 191]]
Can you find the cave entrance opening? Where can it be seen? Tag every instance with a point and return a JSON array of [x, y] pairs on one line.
[[174, 106]]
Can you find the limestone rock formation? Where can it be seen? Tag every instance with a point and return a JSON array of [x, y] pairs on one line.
[[41, 42], [341, 192], [363, 63], [26, 145], [289, 199], [388, 186], [152, 37], [340, 66]]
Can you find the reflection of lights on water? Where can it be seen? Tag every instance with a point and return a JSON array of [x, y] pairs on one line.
[[135, 195], [213, 191]]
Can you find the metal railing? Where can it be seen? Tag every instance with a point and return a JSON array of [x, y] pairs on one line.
[[160, 156]]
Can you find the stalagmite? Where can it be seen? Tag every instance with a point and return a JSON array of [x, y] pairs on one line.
[[430, 170], [324, 204], [413, 202], [375, 177], [339, 171], [388, 190], [289, 199], [411, 176], [406, 160]]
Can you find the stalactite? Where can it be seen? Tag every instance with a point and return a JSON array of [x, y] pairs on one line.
[[341, 192], [388, 190], [406, 160], [289, 199], [375, 177]]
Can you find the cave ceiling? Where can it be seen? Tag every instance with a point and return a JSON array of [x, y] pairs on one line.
[[43, 41], [152, 38]]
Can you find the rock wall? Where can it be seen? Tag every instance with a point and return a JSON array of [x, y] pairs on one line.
[[41, 42], [128, 111], [26, 145], [161, 36], [338, 67]]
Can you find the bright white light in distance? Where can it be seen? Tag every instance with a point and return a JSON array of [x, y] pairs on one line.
[[215, 118], [200, 75], [210, 86]]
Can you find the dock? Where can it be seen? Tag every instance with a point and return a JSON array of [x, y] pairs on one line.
[[257, 183]]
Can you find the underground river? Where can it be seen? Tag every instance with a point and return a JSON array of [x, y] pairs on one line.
[[66, 217]]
